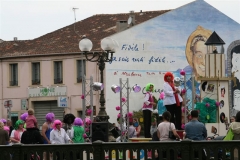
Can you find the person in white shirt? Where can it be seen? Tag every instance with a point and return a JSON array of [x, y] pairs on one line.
[[58, 134], [172, 100]]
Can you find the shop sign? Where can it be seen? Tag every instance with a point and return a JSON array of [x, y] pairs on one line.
[[47, 92]]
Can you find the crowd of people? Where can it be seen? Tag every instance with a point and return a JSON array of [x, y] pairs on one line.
[[54, 131]]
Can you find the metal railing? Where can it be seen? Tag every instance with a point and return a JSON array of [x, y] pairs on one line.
[[175, 150]]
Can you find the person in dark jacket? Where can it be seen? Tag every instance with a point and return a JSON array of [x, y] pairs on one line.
[[32, 136]]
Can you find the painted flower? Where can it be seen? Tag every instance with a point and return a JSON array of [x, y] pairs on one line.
[[118, 108], [182, 72], [123, 99], [82, 96], [207, 105]]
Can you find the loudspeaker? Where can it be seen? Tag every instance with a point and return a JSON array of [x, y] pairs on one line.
[[100, 131]]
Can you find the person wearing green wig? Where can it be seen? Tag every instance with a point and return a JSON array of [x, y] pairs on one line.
[[17, 132], [147, 109]]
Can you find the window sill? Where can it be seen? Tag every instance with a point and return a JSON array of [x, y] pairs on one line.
[[13, 86]]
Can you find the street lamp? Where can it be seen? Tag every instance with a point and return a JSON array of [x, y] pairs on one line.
[[108, 46]]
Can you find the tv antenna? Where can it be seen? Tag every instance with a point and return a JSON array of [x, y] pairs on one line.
[[74, 10], [74, 13]]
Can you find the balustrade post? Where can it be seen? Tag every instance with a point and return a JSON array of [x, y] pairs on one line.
[[98, 150], [17, 153], [186, 146]]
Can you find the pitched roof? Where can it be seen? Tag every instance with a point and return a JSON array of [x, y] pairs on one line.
[[66, 40], [214, 39]]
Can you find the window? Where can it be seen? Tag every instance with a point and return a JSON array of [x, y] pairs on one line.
[[79, 70], [58, 77], [35, 73], [14, 74]]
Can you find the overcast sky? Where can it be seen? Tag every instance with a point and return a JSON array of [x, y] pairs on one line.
[[29, 19]]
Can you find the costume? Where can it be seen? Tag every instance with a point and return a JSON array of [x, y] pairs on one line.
[[147, 110], [17, 133], [58, 136], [172, 100], [31, 121], [77, 131], [49, 120], [68, 120], [235, 126], [195, 130], [31, 136]]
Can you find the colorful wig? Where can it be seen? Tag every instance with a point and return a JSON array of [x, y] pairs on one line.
[[162, 95], [16, 126], [24, 116], [69, 118], [78, 122], [57, 121], [50, 117], [148, 86], [3, 121], [168, 74]]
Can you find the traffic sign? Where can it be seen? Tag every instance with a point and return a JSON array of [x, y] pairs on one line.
[[8, 104]]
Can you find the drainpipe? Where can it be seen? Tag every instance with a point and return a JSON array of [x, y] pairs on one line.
[[2, 89]]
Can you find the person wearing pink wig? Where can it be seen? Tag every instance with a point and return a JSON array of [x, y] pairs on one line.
[[172, 100], [77, 131], [58, 134]]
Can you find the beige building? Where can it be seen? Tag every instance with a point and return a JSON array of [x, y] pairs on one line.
[[45, 72]]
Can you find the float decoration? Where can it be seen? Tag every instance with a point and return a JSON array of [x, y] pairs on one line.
[[207, 110]]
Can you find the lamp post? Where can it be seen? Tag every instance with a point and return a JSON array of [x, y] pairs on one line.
[[108, 46]]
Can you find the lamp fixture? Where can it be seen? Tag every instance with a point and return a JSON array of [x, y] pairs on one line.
[[136, 88], [115, 88], [109, 47], [97, 86]]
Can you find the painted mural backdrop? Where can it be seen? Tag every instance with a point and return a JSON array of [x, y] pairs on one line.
[[169, 42], [235, 70]]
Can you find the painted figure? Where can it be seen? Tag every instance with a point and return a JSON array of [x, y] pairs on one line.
[[196, 50]]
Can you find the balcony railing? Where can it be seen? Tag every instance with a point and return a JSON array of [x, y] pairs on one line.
[[58, 81], [184, 150], [36, 82], [13, 83]]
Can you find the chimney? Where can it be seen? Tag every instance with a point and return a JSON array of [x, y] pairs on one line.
[[15, 38], [121, 25], [131, 19]]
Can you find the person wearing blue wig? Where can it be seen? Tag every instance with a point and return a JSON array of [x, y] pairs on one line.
[[147, 109]]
